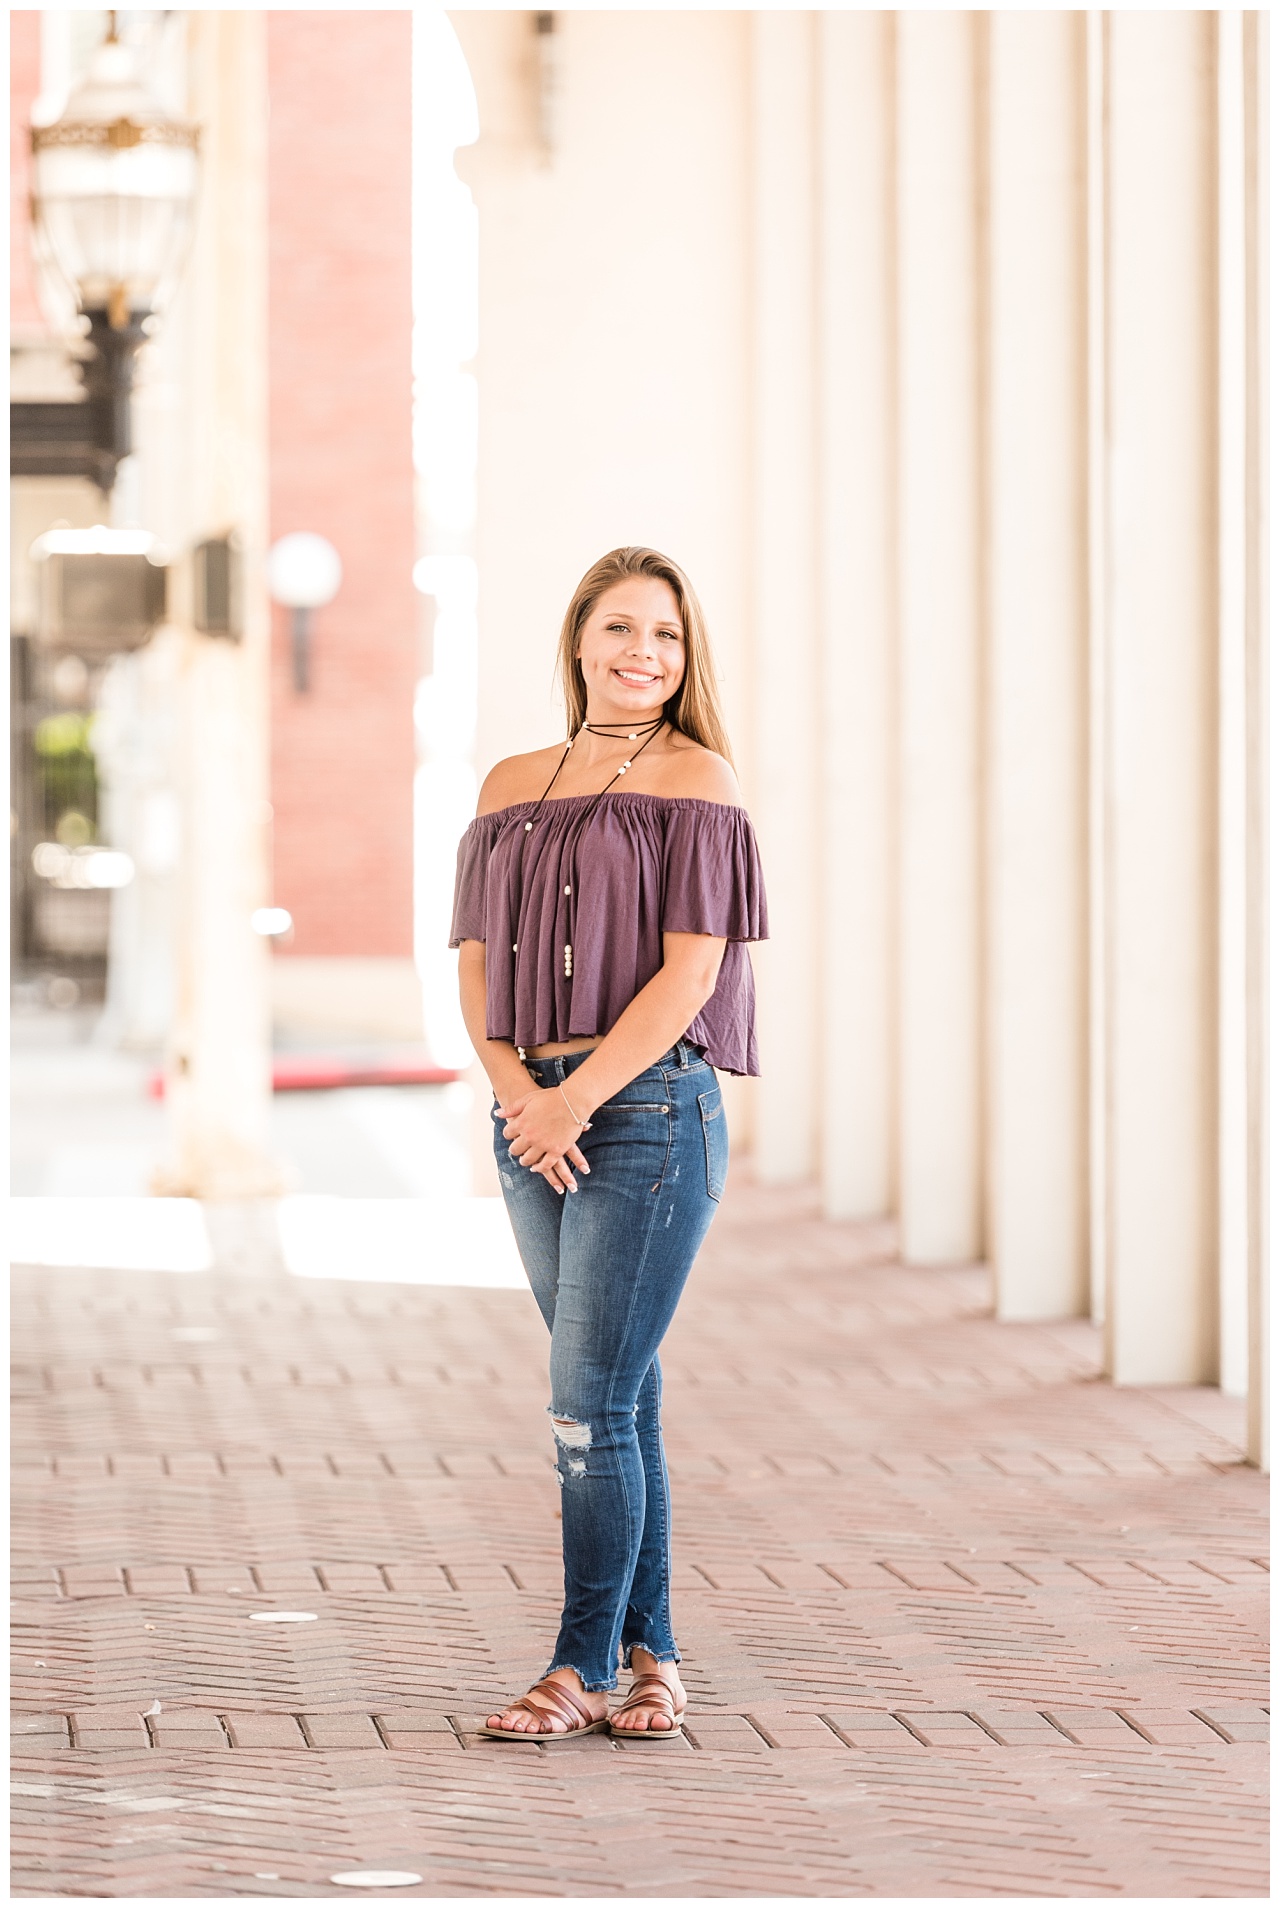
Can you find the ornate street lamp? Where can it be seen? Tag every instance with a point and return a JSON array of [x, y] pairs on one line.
[[113, 200]]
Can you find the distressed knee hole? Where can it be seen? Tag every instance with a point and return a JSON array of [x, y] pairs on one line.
[[573, 1435], [572, 1438]]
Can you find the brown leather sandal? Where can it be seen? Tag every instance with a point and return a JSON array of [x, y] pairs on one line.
[[557, 1701], [649, 1691]]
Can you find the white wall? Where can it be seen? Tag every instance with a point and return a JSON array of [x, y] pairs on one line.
[[612, 360]]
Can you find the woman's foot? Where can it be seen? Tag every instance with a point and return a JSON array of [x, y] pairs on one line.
[[518, 1721], [651, 1718]]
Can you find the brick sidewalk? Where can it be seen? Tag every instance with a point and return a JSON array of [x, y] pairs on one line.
[[959, 1619]]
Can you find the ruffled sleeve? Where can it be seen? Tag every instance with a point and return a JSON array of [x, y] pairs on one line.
[[471, 883], [713, 883]]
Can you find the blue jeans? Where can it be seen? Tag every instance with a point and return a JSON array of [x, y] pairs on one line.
[[607, 1265]]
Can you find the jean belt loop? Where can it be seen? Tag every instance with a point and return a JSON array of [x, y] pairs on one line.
[[682, 1056]]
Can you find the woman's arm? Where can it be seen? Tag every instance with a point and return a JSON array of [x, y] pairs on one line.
[[501, 1062], [540, 1125], [498, 1057], [660, 1013]]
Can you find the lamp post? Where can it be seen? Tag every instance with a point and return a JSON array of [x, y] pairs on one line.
[[304, 572], [113, 198]]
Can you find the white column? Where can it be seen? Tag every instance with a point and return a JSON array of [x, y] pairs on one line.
[[1261, 873], [786, 685], [856, 606], [219, 1074], [1233, 759], [1162, 1087], [1037, 950], [1099, 1164], [939, 1027]]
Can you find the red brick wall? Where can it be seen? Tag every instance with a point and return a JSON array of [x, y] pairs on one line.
[[341, 464], [24, 84]]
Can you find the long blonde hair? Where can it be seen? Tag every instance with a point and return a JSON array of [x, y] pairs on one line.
[[695, 708]]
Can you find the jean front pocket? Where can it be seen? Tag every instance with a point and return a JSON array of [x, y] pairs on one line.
[[715, 1140]]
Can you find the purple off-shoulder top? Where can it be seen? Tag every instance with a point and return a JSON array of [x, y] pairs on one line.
[[608, 882]]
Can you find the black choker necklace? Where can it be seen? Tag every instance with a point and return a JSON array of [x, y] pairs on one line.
[[622, 731], [606, 729]]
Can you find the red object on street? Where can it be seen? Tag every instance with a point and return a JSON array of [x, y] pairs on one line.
[[294, 1071], [312, 1072]]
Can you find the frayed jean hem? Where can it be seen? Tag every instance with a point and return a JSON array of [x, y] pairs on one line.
[[659, 1656], [592, 1689]]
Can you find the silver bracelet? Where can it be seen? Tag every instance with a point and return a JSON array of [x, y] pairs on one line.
[[584, 1124]]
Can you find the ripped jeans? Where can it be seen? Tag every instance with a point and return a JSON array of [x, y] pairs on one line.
[[607, 1265]]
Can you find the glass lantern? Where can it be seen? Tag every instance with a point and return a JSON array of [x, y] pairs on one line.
[[113, 192]]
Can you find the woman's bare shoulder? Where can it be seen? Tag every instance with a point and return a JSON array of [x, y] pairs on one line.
[[519, 778], [700, 775]]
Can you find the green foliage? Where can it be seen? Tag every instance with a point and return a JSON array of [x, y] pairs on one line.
[[67, 733], [67, 777]]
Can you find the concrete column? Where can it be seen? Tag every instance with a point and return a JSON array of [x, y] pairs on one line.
[[1243, 1031], [785, 600], [219, 1073], [1260, 873], [1161, 826], [1036, 969], [1233, 754], [939, 1016], [856, 607], [1099, 1166]]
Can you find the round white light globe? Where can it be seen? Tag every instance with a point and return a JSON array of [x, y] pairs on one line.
[[109, 868], [270, 922], [304, 571]]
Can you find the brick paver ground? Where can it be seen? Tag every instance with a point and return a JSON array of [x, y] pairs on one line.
[[959, 1619]]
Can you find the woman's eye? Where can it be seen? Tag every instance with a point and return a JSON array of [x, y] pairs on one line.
[[613, 629]]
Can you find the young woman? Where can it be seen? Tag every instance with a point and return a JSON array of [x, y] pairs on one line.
[[605, 893]]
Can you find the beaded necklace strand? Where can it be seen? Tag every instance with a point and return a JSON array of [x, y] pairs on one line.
[[649, 731]]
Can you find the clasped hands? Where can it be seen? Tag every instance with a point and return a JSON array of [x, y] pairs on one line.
[[542, 1135]]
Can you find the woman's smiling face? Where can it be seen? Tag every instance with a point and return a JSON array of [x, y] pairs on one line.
[[632, 651]]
